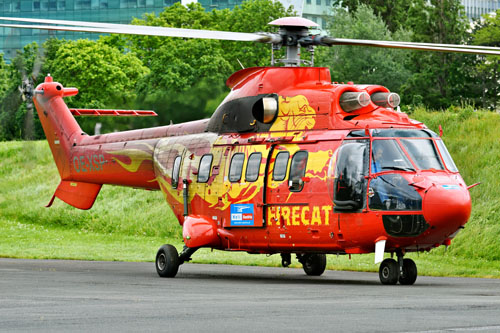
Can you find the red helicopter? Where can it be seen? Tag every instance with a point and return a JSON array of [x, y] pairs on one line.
[[289, 163]]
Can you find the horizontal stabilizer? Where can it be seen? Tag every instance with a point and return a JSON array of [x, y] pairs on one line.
[[77, 194], [99, 112]]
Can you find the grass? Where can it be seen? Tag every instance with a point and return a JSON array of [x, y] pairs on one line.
[[119, 227]]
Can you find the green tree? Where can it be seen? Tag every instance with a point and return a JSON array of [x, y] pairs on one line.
[[488, 70], [16, 77], [394, 13], [105, 77], [364, 64], [187, 75], [438, 77]]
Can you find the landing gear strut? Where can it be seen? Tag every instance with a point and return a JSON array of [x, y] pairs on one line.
[[403, 270], [286, 259], [168, 260]]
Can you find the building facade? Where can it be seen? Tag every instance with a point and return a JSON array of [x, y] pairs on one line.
[[112, 11], [475, 8]]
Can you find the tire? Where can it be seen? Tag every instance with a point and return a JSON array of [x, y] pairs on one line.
[[167, 261], [389, 272], [314, 264], [409, 275]]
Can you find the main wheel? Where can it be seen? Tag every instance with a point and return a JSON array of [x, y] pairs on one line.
[[389, 271], [409, 274], [314, 264], [167, 261]]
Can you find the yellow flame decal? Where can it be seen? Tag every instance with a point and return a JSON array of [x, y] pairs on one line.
[[294, 114], [136, 157]]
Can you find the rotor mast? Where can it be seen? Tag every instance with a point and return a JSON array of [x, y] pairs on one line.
[[294, 33]]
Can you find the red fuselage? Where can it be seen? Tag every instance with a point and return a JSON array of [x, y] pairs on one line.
[[314, 178]]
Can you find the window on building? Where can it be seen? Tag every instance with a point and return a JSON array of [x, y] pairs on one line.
[[308, 2], [253, 167], [318, 2], [280, 165], [175, 171], [36, 5], [236, 167], [204, 168], [79, 4]]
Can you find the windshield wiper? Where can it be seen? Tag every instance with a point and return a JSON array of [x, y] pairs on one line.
[[397, 168]]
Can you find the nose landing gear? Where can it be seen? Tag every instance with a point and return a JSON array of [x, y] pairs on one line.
[[168, 259], [403, 270]]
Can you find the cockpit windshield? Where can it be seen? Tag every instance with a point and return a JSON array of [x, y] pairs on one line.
[[388, 155], [423, 153]]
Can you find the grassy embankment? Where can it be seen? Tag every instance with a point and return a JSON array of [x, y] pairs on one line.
[[128, 224]]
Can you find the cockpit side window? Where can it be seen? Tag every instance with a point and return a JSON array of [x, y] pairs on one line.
[[446, 156], [351, 172]]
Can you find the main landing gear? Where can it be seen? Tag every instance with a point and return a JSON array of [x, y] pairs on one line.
[[168, 260], [403, 270], [314, 264]]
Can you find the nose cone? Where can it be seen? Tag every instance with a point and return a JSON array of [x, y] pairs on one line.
[[447, 207]]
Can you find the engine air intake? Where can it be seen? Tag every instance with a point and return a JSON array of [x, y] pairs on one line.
[[352, 101], [386, 100]]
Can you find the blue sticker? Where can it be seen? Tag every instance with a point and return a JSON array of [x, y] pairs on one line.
[[242, 215], [451, 187]]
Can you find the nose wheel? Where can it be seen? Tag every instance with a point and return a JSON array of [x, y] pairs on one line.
[[403, 270]]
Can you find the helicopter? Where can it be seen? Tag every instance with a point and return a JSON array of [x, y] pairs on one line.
[[290, 163]]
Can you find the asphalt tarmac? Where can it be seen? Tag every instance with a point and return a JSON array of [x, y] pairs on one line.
[[63, 296]]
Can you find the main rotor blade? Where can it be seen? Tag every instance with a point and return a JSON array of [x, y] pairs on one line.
[[458, 46], [411, 46], [129, 29]]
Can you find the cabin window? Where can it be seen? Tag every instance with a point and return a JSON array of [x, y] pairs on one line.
[[204, 169], [280, 165], [175, 171], [351, 172], [236, 167], [423, 153], [297, 171], [253, 167]]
